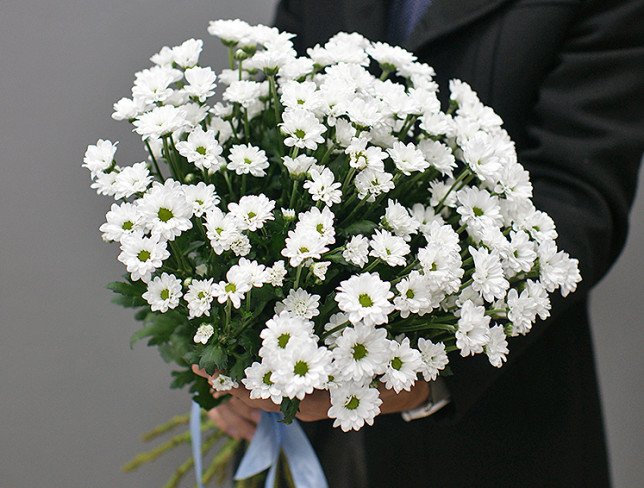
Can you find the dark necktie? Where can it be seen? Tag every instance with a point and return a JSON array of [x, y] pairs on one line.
[[403, 17]]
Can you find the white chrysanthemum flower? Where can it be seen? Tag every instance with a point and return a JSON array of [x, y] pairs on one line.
[[497, 346], [356, 251], [302, 368], [302, 128], [407, 158], [222, 230], [353, 405], [521, 253], [230, 31], [438, 155], [243, 92], [557, 269], [323, 187], [202, 197], [186, 55], [414, 295], [303, 245], [301, 96], [288, 214], [319, 269], [105, 183], [252, 211], [362, 156], [235, 286], [478, 208], [441, 267], [398, 220], [269, 61], [122, 220], [403, 366], [245, 158], [370, 183], [441, 193], [280, 331], [163, 57], [277, 273], [100, 156], [424, 216], [221, 382], [128, 109], [142, 256], [365, 297], [318, 221], [299, 166], [479, 152], [204, 333], [153, 85], [390, 57], [434, 358], [240, 246], [299, 303], [165, 210], [365, 112], [360, 353], [473, 331], [296, 69], [131, 180], [257, 273], [159, 122], [163, 293], [259, 381], [201, 83], [199, 297], [514, 183], [202, 149], [334, 327], [389, 248], [488, 276]]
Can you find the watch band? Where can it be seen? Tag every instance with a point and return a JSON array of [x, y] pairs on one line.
[[438, 398]]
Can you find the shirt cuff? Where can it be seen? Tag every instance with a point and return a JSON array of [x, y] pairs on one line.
[[438, 398]]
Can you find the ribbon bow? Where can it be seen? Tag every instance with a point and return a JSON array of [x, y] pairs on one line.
[[271, 437]]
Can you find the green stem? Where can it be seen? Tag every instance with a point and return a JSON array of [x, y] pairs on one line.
[[371, 266], [293, 195], [337, 328], [229, 184], [298, 274], [466, 172], [228, 309], [155, 162]]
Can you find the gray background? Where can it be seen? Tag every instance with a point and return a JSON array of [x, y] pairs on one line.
[[73, 396]]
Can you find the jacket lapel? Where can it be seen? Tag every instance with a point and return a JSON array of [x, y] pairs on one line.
[[446, 16], [369, 17]]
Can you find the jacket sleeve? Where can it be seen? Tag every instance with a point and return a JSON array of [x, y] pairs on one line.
[[586, 142]]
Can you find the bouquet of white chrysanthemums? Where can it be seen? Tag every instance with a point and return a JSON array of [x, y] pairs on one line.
[[324, 226]]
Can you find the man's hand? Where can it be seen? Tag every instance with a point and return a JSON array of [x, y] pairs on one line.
[[239, 416]]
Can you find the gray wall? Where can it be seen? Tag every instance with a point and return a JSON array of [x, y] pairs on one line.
[[73, 396]]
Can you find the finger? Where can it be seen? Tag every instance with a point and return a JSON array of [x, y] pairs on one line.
[[244, 395], [200, 372], [236, 425]]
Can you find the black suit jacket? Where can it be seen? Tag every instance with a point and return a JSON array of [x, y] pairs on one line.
[[567, 76]]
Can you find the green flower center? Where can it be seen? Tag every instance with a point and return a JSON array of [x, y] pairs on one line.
[[165, 294], [143, 255], [201, 150], [283, 340], [230, 288], [365, 300], [165, 214], [410, 293], [127, 225], [477, 211], [304, 249], [353, 403], [266, 379], [359, 352], [320, 228], [396, 363], [201, 295], [301, 368], [248, 161], [300, 134], [251, 215]]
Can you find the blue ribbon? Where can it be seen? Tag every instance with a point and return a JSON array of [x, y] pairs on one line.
[[195, 436], [271, 437]]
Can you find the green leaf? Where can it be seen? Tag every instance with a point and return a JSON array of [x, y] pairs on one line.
[[200, 390], [192, 247], [360, 227], [129, 301], [158, 327], [182, 378], [212, 358], [336, 258]]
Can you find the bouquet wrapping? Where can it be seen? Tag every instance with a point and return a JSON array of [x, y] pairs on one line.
[[326, 224]]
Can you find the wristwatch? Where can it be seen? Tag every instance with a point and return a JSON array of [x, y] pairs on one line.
[[438, 398]]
